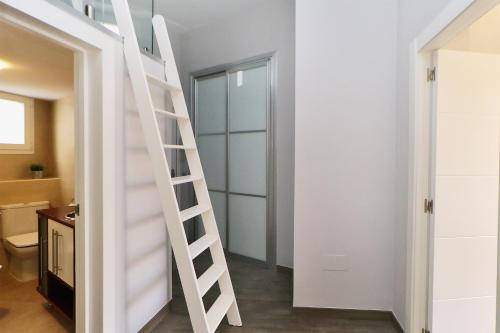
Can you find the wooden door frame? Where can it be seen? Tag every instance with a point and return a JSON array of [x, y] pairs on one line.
[[454, 18]]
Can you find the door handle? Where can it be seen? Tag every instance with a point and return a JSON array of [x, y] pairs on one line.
[[54, 251]]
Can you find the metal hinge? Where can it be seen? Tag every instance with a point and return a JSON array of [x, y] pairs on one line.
[[77, 210], [425, 330], [89, 11], [428, 206], [431, 74]]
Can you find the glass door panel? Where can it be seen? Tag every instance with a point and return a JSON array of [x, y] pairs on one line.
[[247, 228], [247, 163], [248, 99], [212, 150], [232, 121], [219, 200], [211, 105], [211, 135], [248, 121]]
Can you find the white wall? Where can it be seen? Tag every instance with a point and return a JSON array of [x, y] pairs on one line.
[[345, 153], [265, 28], [146, 242], [174, 31], [414, 16]]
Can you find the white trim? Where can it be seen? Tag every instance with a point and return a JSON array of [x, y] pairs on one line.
[[96, 53], [28, 147], [458, 15]]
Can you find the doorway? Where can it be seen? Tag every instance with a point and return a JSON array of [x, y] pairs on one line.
[[232, 117], [456, 174], [38, 182]]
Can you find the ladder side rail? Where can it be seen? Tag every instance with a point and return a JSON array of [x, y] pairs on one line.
[[195, 167], [166, 52], [208, 218], [218, 256], [210, 226], [160, 167]]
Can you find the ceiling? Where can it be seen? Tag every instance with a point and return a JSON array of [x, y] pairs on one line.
[[482, 36], [192, 14], [33, 66]]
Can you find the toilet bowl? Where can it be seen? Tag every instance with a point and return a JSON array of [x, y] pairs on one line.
[[19, 238], [22, 251]]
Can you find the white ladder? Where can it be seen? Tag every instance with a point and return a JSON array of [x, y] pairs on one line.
[[194, 288]]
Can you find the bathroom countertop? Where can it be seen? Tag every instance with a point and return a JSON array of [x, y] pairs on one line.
[[58, 214]]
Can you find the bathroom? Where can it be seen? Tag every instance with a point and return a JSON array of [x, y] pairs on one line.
[[37, 183]]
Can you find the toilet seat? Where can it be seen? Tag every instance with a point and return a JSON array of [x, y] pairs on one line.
[[23, 240]]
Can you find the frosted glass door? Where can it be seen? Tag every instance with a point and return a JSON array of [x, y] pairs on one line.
[[232, 123], [211, 128], [248, 122]]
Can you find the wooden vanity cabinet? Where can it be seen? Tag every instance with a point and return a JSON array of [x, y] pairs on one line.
[[57, 258]]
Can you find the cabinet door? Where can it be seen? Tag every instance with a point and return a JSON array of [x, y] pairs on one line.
[[60, 251]]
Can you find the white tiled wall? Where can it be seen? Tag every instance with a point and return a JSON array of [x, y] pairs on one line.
[[455, 222], [466, 193], [465, 315]]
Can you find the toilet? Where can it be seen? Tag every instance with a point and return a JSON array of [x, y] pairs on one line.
[[19, 238]]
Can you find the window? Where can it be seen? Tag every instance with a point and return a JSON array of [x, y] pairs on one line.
[[16, 124]]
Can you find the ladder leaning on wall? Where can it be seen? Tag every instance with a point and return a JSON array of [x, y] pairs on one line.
[[194, 288]]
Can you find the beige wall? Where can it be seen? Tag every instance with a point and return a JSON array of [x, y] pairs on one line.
[[54, 148], [64, 146], [16, 166], [15, 191]]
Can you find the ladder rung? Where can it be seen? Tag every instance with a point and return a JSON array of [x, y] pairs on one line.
[[178, 147], [189, 213], [185, 179], [218, 311], [170, 114], [163, 83], [200, 245], [208, 279]]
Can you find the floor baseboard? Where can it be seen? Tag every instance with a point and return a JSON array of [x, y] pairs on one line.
[[352, 314], [397, 324], [156, 320], [283, 269]]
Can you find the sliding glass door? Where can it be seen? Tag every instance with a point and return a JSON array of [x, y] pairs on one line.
[[211, 137], [232, 117]]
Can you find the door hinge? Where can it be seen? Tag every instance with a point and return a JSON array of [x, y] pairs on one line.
[[431, 74], [428, 206], [425, 330], [77, 210]]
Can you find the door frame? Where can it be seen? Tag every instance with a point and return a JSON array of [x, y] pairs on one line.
[[270, 60], [453, 19], [98, 82]]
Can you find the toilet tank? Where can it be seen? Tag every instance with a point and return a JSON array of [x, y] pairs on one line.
[[20, 218]]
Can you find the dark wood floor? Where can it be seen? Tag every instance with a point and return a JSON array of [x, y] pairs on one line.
[[265, 302]]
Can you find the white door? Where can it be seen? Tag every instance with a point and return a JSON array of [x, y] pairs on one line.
[[464, 186]]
